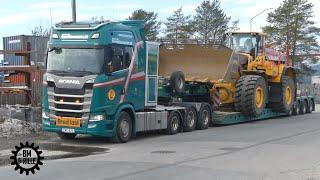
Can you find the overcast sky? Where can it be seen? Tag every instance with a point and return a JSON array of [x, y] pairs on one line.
[[20, 16]]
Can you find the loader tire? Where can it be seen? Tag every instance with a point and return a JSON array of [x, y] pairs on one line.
[[284, 94], [177, 82], [251, 95]]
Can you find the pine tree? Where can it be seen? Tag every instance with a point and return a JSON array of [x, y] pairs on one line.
[[152, 25], [178, 25], [210, 22], [290, 24]]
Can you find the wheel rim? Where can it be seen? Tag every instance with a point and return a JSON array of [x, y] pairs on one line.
[[175, 123], [124, 128], [205, 116], [191, 118], [259, 97], [288, 95]]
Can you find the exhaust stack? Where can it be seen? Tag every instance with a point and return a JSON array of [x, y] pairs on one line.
[[74, 11]]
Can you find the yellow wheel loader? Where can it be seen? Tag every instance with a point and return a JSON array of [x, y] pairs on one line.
[[247, 75]]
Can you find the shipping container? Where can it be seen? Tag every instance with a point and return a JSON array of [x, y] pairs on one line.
[[36, 44], [20, 79]]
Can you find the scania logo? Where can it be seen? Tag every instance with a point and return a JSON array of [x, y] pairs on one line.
[[69, 81]]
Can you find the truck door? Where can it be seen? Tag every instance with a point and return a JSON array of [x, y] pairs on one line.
[[152, 56]]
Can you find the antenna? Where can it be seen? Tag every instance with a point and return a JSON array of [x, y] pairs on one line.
[[50, 18], [74, 11]]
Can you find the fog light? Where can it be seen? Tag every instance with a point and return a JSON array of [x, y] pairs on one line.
[[98, 117]]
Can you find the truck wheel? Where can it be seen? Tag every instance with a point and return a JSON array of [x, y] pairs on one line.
[[251, 94], [295, 110], [312, 105], [190, 119], [66, 136], [309, 107], [124, 128], [204, 117], [177, 82], [303, 107], [174, 121], [285, 95]]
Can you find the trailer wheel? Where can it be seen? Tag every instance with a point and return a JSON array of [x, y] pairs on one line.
[[177, 82], [190, 119], [174, 121], [204, 117], [309, 107], [251, 95], [284, 95], [124, 128], [66, 136], [303, 107], [295, 110]]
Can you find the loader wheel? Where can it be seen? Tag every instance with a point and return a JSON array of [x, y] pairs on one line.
[[295, 110], [124, 128], [204, 117], [250, 96], [284, 95], [174, 121], [177, 82]]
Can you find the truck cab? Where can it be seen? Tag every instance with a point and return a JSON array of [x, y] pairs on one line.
[[94, 72]]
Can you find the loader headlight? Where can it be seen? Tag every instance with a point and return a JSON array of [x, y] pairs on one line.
[[97, 117]]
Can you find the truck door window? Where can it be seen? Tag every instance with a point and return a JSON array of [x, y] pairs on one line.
[[118, 57]]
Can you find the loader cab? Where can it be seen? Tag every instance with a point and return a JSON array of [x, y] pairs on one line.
[[251, 43]]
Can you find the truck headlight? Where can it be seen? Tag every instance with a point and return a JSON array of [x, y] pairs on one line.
[[45, 115], [90, 81], [97, 117], [50, 79]]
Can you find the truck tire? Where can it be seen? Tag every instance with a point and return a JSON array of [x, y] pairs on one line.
[[251, 94], [177, 82], [303, 107], [190, 120], [284, 95], [66, 136], [174, 121], [204, 116], [124, 128], [295, 110], [313, 105]]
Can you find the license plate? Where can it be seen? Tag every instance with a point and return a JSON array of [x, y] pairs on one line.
[[67, 130], [68, 121]]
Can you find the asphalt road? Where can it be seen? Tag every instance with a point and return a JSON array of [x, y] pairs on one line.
[[277, 149]]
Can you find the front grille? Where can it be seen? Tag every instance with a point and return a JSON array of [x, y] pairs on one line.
[[60, 104], [69, 91]]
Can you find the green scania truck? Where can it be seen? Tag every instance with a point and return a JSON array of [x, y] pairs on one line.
[[105, 79]]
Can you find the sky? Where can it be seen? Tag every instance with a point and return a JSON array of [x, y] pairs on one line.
[[21, 16]]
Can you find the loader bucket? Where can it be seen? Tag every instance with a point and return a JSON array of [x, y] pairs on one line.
[[202, 63]]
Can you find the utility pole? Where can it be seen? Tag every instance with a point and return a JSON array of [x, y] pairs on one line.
[[74, 11], [256, 16]]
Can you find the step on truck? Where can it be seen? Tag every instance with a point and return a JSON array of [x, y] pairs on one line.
[[105, 79]]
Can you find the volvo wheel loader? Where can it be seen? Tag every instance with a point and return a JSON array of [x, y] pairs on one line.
[[247, 75]]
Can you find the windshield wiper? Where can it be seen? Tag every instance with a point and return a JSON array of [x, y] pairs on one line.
[[83, 72]]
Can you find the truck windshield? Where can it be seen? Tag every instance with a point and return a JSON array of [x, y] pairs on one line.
[[242, 42], [76, 60]]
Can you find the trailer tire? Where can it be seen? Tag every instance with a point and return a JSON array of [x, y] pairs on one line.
[[204, 116], [309, 107], [66, 136], [190, 120], [177, 82], [295, 110], [124, 128], [303, 107], [174, 121], [251, 95], [284, 95]]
